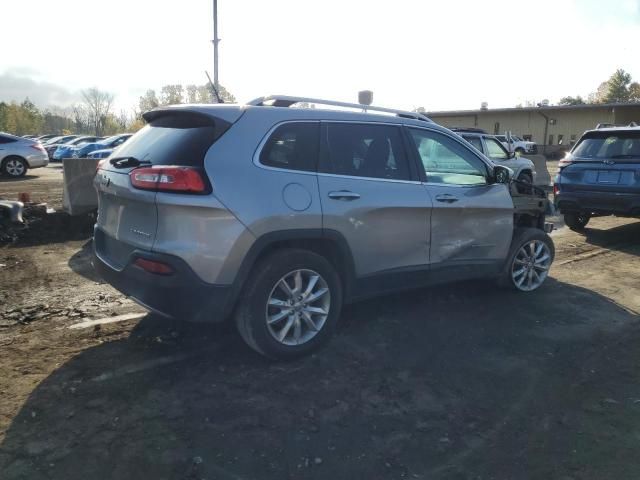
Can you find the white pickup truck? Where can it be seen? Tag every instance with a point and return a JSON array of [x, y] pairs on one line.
[[517, 145]]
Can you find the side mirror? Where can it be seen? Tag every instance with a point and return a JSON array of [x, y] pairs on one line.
[[502, 174]]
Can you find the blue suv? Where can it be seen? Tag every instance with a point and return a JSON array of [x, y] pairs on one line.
[[600, 176]]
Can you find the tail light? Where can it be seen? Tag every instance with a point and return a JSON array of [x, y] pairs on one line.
[[556, 189], [153, 266], [168, 179], [39, 147], [564, 162]]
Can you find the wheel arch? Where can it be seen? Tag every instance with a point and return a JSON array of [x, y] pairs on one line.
[[331, 244]]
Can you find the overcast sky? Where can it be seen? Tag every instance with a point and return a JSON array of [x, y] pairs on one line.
[[441, 55]]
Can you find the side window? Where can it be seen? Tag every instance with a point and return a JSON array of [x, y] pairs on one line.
[[475, 141], [495, 149], [293, 146], [4, 139], [447, 162], [366, 150]]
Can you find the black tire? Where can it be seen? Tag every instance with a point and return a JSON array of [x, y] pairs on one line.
[[251, 312], [527, 178], [522, 236], [14, 167], [577, 221]]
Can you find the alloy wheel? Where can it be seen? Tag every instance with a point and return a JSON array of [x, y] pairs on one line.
[[531, 265], [14, 167], [298, 307]]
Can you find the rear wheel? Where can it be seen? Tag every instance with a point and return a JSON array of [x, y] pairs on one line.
[[14, 167], [532, 253], [525, 177], [290, 304], [577, 221]]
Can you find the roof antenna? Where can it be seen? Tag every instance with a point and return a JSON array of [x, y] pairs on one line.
[[213, 88]]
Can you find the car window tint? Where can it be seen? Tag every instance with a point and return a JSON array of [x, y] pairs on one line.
[[475, 141], [366, 150], [4, 139], [609, 145], [293, 146], [446, 161], [495, 149]]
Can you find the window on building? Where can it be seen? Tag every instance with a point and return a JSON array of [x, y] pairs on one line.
[[528, 137], [496, 128], [550, 140]]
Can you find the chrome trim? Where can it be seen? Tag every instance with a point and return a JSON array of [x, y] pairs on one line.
[[372, 179]]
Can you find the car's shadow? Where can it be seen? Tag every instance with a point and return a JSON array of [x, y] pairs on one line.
[[6, 178], [623, 237], [80, 262], [424, 384]]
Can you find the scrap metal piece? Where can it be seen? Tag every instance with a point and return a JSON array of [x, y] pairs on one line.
[[14, 208]]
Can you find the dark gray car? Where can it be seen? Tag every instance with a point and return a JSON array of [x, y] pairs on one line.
[[277, 216], [600, 176]]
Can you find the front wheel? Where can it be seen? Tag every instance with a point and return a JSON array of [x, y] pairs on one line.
[[525, 177], [290, 304], [532, 253], [576, 221]]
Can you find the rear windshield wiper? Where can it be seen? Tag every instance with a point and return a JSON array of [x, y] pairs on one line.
[[126, 162]]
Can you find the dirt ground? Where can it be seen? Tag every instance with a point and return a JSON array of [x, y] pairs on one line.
[[461, 382]]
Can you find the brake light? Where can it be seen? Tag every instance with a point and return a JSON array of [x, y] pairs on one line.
[[169, 179], [564, 162], [153, 266], [39, 147], [556, 189]]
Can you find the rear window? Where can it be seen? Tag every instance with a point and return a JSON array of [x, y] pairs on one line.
[[174, 139], [600, 145]]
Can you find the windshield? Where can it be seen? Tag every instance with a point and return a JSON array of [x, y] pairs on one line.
[[608, 144]]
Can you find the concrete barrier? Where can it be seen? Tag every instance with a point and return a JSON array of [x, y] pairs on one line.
[[540, 162], [79, 194]]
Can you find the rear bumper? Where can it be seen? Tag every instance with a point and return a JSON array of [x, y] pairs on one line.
[[181, 295], [605, 203], [37, 161]]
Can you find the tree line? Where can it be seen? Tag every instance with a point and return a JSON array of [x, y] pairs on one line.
[[96, 115], [619, 88]]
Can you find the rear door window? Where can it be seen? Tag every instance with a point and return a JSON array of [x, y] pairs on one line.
[[366, 150], [293, 146], [173, 139]]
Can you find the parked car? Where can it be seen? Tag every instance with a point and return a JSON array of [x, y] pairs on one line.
[[44, 138], [600, 176], [18, 154], [29, 136], [66, 150], [111, 142], [518, 145], [524, 170], [280, 215], [104, 153], [53, 143]]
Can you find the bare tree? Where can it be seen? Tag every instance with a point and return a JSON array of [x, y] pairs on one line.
[[98, 106]]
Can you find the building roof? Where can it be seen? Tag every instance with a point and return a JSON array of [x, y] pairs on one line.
[[589, 106]]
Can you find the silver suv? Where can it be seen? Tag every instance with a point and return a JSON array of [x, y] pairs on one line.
[[276, 216]]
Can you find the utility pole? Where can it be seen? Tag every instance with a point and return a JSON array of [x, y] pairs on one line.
[[215, 42]]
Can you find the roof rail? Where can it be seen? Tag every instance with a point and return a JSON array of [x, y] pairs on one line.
[[287, 101], [606, 125]]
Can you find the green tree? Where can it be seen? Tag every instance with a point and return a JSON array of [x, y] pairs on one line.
[[571, 101], [171, 94], [148, 101], [618, 87], [634, 92]]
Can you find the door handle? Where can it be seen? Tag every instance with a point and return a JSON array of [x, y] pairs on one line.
[[344, 195], [446, 198]]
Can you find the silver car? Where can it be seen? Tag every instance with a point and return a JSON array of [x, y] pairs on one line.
[[277, 216], [18, 154]]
